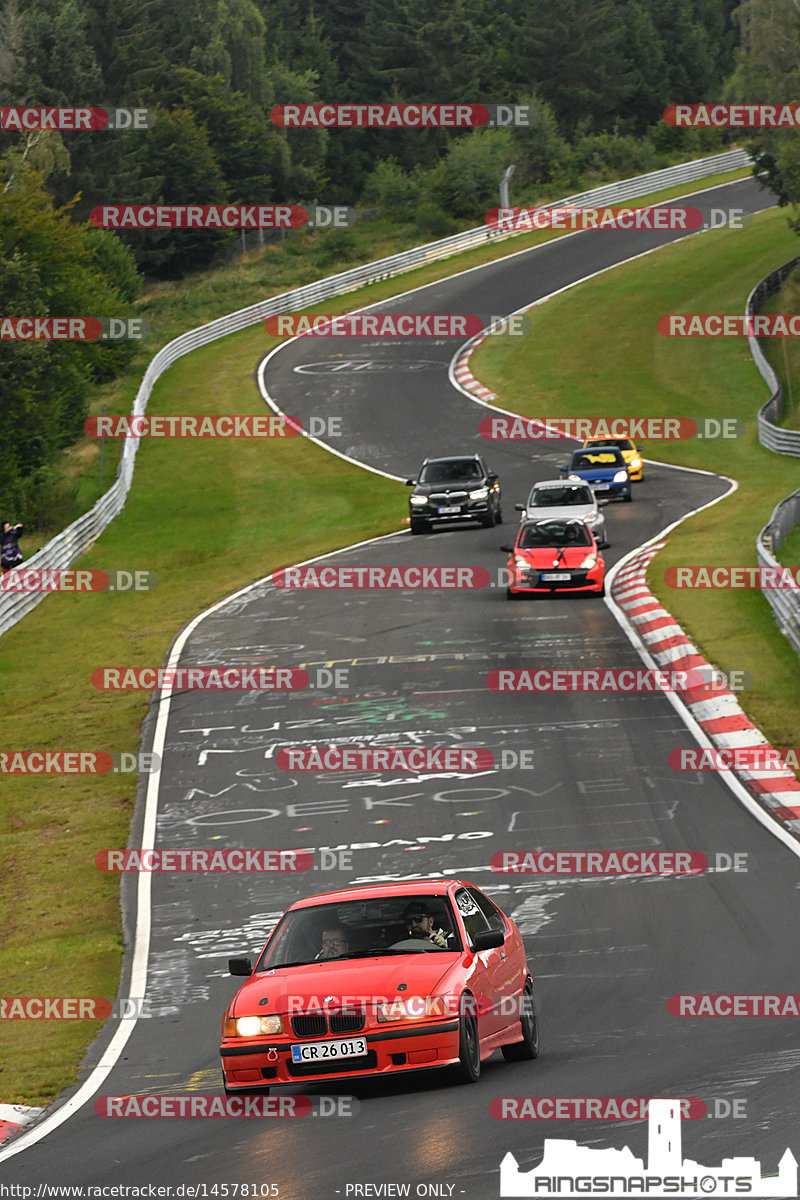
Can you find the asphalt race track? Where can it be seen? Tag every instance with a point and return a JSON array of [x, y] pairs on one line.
[[606, 953]]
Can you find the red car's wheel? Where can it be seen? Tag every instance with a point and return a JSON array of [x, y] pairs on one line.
[[469, 1051], [528, 1047]]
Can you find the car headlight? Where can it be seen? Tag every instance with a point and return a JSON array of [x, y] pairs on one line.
[[412, 1008], [577, 478], [479, 494], [521, 564], [253, 1026], [418, 499], [636, 463], [590, 560], [620, 476]]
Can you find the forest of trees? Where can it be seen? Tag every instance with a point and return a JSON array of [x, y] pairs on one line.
[[600, 75]]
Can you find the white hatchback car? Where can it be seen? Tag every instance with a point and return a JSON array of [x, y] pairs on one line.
[[560, 498]]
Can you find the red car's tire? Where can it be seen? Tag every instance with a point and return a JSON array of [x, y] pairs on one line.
[[528, 1047], [469, 1051]]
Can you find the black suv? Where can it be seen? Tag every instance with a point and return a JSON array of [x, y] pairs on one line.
[[454, 489]]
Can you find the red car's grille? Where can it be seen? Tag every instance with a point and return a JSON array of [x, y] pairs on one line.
[[309, 1025], [348, 1020]]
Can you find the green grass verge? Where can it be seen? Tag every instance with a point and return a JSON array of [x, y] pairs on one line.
[[784, 353], [201, 516], [595, 350]]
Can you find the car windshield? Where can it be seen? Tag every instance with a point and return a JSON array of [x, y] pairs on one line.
[[620, 443], [554, 533], [564, 494], [597, 458], [381, 925], [450, 472]]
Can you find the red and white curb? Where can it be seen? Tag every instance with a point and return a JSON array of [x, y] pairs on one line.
[[716, 711], [462, 372], [14, 1118]]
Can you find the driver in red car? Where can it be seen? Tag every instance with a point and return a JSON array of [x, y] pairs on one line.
[[335, 942], [419, 923]]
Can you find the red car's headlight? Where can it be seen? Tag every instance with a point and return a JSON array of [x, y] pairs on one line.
[[412, 1008], [590, 560], [252, 1026]]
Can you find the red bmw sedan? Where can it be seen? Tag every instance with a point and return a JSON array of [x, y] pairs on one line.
[[380, 980]]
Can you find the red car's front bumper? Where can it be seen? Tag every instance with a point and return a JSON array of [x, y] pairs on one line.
[[406, 1048]]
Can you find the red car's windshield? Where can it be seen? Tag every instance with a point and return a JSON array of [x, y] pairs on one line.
[[360, 929], [554, 533]]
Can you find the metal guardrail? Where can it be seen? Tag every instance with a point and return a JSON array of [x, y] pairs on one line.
[[785, 602], [770, 434], [73, 541]]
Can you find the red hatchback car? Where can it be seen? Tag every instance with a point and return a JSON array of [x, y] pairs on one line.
[[379, 980], [557, 555]]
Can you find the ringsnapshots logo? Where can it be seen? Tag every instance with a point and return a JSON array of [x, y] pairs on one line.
[[402, 116], [75, 119], [568, 1169]]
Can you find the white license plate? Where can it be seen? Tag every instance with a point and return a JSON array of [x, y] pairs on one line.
[[311, 1052], [601, 487], [555, 576], [453, 508]]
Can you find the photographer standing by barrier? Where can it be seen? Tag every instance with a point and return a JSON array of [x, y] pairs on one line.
[[10, 553]]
